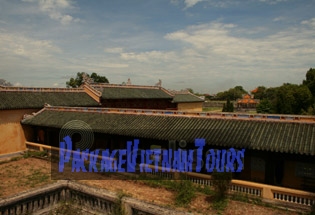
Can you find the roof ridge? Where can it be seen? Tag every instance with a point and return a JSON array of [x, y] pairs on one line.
[[206, 115], [124, 86], [39, 89]]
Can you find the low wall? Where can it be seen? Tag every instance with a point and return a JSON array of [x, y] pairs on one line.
[[286, 197], [88, 199], [12, 135]]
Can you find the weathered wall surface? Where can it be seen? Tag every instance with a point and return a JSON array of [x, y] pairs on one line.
[[12, 138], [193, 106]]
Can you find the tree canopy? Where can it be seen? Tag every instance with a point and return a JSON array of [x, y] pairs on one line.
[[310, 80], [260, 93], [288, 98], [228, 106], [5, 83], [77, 82], [232, 93]]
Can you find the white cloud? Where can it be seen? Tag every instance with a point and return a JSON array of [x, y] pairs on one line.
[[216, 39], [175, 2], [273, 1], [151, 57], [115, 50], [56, 9], [213, 52], [191, 3], [279, 18], [310, 22], [20, 46]]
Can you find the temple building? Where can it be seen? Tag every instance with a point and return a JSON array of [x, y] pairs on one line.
[[247, 102], [19, 101], [279, 149]]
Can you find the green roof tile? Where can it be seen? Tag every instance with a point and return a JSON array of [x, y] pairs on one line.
[[178, 98], [297, 138], [21, 100], [134, 93]]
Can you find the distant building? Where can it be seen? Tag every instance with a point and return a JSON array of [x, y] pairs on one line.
[[146, 97], [188, 102], [15, 102], [247, 102]]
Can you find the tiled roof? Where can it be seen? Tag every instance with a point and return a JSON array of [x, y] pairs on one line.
[[114, 91], [20, 98], [277, 136], [178, 98]]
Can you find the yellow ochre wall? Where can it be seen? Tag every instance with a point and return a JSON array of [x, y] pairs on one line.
[[193, 106], [12, 137]]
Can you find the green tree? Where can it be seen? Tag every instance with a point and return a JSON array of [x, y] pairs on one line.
[[310, 80], [264, 106], [190, 90], [292, 99], [228, 106], [261, 93], [221, 183], [5, 83], [99, 79], [77, 82], [303, 99], [232, 93]]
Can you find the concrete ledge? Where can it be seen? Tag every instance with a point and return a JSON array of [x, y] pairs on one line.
[[88, 199]]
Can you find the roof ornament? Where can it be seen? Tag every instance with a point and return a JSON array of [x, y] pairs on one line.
[[25, 116], [128, 82], [159, 84], [86, 79]]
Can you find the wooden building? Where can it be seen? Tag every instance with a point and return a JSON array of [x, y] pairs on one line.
[[188, 102], [15, 102], [247, 102], [277, 152], [146, 97]]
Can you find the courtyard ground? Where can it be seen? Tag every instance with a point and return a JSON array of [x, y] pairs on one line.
[[22, 174]]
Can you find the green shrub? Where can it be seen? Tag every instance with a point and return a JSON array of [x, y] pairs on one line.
[[221, 183], [185, 192]]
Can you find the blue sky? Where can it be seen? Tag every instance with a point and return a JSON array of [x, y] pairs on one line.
[[206, 45]]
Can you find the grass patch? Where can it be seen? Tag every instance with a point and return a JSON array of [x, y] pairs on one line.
[[220, 204], [205, 190], [240, 197], [207, 109], [16, 158], [185, 192], [36, 177], [29, 154]]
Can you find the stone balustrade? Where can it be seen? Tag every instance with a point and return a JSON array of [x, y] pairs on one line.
[[89, 200], [289, 196]]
